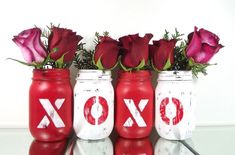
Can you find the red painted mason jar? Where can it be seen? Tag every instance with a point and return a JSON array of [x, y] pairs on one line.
[[50, 104], [134, 104]]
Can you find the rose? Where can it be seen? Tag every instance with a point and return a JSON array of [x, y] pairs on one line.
[[162, 54], [106, 53], [63, 42], [135, 50], [31, 46], [202, 46]]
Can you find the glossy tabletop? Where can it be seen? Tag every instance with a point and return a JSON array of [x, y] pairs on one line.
[[205, 140]]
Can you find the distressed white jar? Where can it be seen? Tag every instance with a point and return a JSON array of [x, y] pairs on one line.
[[93, 104], [174, 109]]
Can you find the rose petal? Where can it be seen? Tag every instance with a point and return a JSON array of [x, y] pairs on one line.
[[135, 49], [34, 39], [152, 50], [148, 37], [134, 36], [54, 38], [125, 43], [205, 54], [31, 45], [38, 45], [27, 54], [194, 44], [165, 51], [26, 33], [110, 58], [65, 41], [107, 51], [208, 37]]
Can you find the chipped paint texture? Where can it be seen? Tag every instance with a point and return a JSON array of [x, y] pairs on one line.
[[174, 109], [93, 105]]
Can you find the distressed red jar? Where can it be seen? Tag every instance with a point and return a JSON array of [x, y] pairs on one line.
[[134, 104], [50, 104]]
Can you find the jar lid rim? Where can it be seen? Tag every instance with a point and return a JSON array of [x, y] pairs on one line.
[[86, 74], [175, 75]]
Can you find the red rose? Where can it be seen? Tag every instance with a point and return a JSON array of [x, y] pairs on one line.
[[162, 54], [202, 45], [63, 42], [135, 50], [31, 45], [106, 53]]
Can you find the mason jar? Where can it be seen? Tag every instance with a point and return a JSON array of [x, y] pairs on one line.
[[50, 104], [174, 109], [134, 104], [93, 104]]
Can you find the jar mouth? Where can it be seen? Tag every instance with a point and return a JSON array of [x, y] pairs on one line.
[[134, 75], [91, 74], [175, 76], [51, 74]]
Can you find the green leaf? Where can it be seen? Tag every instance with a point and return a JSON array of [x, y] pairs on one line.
[[60, 62], [55, 49], [114, 66], [99, 64], [24, 63], [124, 68], [106, 33], [141, 65], [166, 35], [168, 64], [191, 62]]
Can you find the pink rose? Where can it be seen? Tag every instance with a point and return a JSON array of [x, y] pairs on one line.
[[31, 45], [135, 49], [202, 46], [63, 42], [107, 52], [162, 53]]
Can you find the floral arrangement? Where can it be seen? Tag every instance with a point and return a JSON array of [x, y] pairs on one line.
[[133, 52], [56, 47], [192, 54], [130, 53], [53, 48]]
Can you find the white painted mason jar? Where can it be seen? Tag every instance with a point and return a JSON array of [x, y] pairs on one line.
[[93, 104], [174, 109]]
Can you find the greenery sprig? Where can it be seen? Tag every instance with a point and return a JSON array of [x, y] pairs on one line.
[[84, 58]]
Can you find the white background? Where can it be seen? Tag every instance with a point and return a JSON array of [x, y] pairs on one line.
[[215, 92]]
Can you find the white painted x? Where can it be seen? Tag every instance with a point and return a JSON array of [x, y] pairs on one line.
[[135, 112], [51, 112]]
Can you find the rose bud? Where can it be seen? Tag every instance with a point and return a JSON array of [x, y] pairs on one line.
[[63, 42], [31, 45], [106, 53], [135, 50], [202, 46], [162, 54]]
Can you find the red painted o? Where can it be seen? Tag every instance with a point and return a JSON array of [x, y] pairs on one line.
[[179, 110], [88, 106]]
